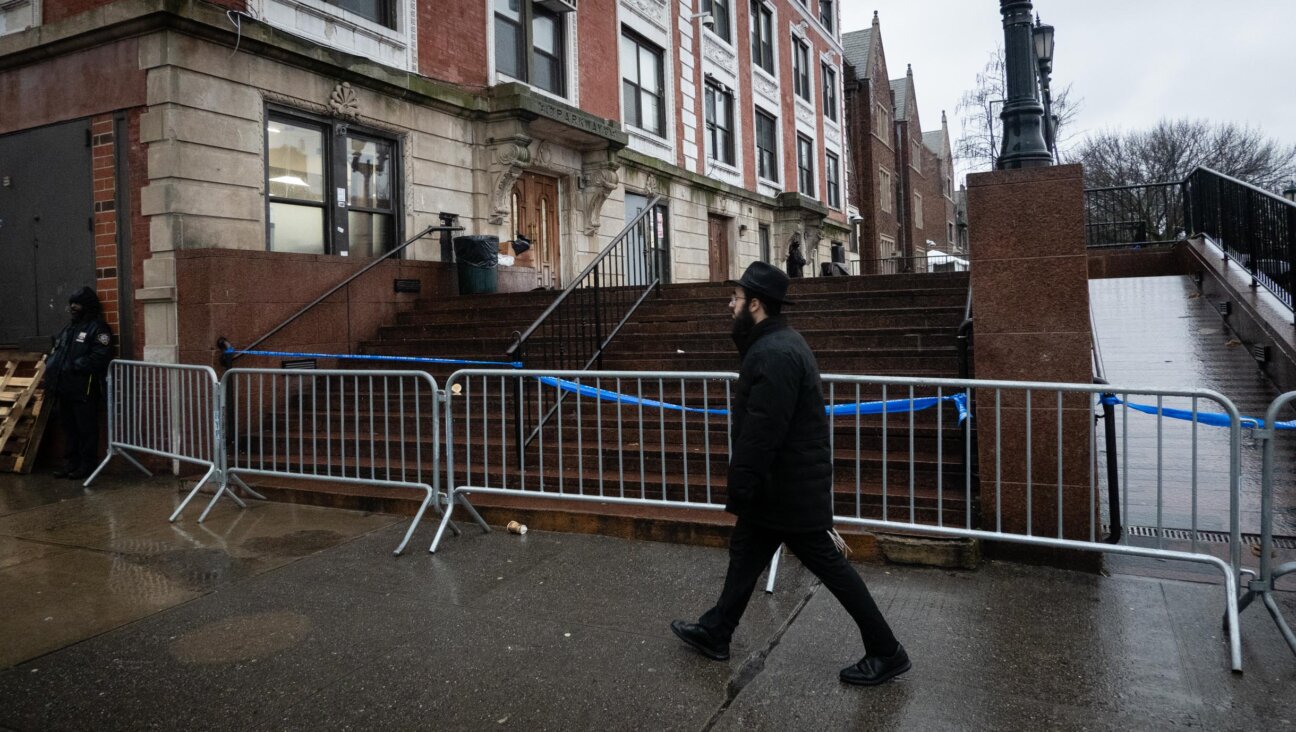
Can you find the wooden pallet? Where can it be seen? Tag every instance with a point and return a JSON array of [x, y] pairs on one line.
[[24, 411]]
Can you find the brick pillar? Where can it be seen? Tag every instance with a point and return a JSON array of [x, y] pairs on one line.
[[104, 172], [1030, 294]]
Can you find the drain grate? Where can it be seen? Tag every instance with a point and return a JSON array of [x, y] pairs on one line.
[[1209, 537]]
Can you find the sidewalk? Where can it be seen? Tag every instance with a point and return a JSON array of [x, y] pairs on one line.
[[315, 625]]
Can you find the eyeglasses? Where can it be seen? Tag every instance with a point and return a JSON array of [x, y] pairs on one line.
[[734, 298]]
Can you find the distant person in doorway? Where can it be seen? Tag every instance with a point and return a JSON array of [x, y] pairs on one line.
[[74, 374], [795, 261], [780, 482]]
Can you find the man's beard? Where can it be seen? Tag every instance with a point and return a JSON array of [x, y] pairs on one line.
[[742, 328]]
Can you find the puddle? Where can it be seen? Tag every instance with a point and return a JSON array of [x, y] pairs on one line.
[[193, 569], [241, 638]]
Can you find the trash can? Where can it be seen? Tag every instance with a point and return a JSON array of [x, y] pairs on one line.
[[477, 257]]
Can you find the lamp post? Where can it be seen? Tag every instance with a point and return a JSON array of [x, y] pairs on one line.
[[1289, 192], [1043, 37], [1023, 115]]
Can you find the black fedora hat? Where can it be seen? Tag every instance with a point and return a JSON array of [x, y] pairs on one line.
[[765, 281]]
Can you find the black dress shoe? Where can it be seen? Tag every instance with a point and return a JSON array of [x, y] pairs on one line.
[[698, 637], [63, 471], [77, 474], [873, 670]]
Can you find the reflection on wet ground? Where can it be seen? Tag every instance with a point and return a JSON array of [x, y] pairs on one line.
[[75, 562], [1155, 331]]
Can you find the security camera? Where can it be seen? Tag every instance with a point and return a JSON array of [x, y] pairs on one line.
[[707, 19], [856, 219]]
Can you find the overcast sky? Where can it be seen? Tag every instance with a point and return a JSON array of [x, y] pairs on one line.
[[1131, 61]]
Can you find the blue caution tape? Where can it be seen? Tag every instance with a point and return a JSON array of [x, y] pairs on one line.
[[835, 410], [1213, 419], [361, 357]]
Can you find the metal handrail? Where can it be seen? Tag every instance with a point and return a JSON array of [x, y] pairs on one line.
[[228, 357], [1109, 437], [576, 283]]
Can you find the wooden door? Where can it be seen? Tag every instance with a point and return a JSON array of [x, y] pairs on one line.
[[534, 209], [718, 247]]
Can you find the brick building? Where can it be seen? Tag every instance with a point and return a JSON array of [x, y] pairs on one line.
[[902, 177], [212, 166]]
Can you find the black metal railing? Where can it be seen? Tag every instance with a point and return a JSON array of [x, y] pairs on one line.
[[573, 331], [1108, 418], [1253, 227], [1138, 214], [229, 356], [925, 264]]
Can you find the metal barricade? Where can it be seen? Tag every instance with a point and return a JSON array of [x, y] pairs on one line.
[[1029, 473], [1262, 584], [377, 428], [165, 410], [619, 437]]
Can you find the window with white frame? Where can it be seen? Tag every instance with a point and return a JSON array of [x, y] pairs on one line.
[[762, 36], [917, 156], [887, 247], [884, 189], [826, 16], [719, 10], [829, 76], [801, 68], [530, 44], [766, 146], [918, 210], [382, 12], [330, 187], [643, 90], [949, 230], [718, 105], [833, 171], [883, 129], [805, 166]]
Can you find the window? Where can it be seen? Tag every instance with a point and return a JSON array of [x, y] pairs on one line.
[[801, 68], [887, 247], [643, 91], [719, 123], [834, 181], [883, 124], [949, 231], [918, 212], [884, 189], [308, 160], [805, 166], [917, 156], [829, 91], [764, 236], [762, 36], [382, 12], [766, 146], [530, 44], [826, 14], [719, 10]]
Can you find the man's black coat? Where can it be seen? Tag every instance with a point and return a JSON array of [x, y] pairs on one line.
[[780, 472], [81, 353]]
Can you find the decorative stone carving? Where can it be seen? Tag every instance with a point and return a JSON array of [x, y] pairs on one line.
[[513, 157], [601, 180], [805, 114], [764, 86], [653, 11], [344, 102], [651, 186], [721, 55], [543, 155]]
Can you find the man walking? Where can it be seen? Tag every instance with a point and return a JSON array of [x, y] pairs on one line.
[[74, 373], [780, 481]]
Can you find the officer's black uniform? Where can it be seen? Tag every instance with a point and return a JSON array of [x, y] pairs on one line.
[[74, 373]]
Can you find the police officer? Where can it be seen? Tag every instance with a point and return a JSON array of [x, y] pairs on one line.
[[74, 372]]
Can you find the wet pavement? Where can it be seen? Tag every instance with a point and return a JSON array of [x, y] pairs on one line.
[[1155, 331], [283, 617]]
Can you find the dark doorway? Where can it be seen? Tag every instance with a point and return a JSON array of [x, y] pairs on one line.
[[46, 229], [718, 227]]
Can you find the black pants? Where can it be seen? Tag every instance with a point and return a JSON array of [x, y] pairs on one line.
[[80, 422], [750, 550]]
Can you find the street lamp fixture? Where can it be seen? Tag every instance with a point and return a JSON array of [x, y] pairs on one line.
[[1289, 192], [1023, 114], [1043, 37]]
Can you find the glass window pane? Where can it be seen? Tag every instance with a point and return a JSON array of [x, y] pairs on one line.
[[630, 98], [379, 11], [370, 166], [371, 234], [651, 113], [546, 73], [544, 32], [629, 58], [296, 164], [649, 62], [508, 42], [296, 228], [509, 8]]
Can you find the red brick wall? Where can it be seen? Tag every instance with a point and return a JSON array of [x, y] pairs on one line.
[[104, 174], [452, 41], [600, 78], [137, 164]]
